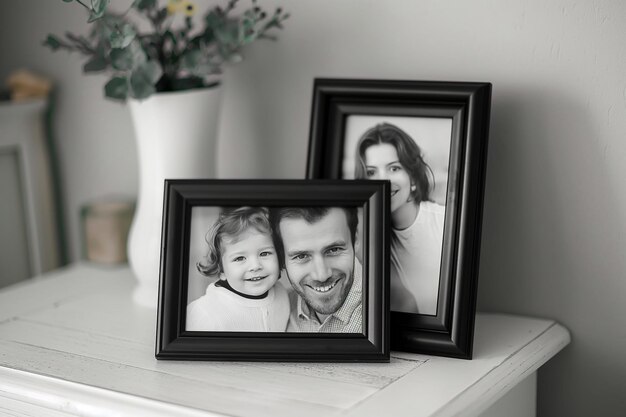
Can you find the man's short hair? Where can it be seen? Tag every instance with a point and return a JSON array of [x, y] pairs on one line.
[[310, 215]]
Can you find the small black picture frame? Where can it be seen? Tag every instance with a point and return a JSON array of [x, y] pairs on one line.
[[429, 139], [187, 201]]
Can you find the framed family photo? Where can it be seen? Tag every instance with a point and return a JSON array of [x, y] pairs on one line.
[[274, 270], [429, 140]]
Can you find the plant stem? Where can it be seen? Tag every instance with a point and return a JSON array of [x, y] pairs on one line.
[[81, 44], [83, 4], [157, 23]]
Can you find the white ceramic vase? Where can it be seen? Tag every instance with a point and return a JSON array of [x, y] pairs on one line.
[[176, 138]]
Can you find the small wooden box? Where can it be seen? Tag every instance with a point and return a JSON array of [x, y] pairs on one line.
[[106, 225]]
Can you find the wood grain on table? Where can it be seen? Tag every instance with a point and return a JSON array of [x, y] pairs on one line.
[[74, 342]]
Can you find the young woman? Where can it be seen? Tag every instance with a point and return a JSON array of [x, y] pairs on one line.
[[387, 152]]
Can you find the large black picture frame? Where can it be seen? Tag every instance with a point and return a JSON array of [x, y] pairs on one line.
[[467, 104], [175, 343]]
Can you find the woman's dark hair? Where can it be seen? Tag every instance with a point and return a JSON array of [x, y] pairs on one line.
[[230, 224], [409, 156]]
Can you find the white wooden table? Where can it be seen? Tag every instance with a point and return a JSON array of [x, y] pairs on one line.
[[73, 343]]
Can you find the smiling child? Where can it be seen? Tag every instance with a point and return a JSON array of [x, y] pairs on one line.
[[246, 297]]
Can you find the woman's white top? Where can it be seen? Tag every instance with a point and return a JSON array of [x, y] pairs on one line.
[[416, 260]]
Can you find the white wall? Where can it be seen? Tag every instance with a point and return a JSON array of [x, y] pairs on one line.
[[554, 239]]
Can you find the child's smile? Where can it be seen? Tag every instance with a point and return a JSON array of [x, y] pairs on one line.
[[258, 278]]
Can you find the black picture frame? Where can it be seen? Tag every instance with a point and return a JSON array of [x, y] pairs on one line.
[[173, 342], [467, 104]]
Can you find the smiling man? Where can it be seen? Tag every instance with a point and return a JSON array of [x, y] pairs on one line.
[[317, 245]]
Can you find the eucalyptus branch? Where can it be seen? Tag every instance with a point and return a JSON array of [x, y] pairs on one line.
[[80, 43], [69, 47], [168, 56]]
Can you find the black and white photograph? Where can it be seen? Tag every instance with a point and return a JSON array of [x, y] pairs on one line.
[[274, 270], [427, 139], [279, 269], [322, 208], [413, 154]]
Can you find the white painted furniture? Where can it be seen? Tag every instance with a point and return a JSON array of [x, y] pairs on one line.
[[74, 343], [28, 235]]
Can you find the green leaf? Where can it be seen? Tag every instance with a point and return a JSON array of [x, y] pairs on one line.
[[121, 59], [94, 16], [214, 20], [248, 24], [122, 37], [208, 36], [52, 42], [140, 87], [144, 78], [227, 35], [128, 58], [144, 4], [190, 59], [98, 7], [197, 64], [97, 63], [152, 70], [247, 31], [117, 88]]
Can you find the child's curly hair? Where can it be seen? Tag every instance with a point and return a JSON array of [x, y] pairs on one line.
[[230, 224]]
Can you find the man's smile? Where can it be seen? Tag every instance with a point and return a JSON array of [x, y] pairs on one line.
[[324, 288]]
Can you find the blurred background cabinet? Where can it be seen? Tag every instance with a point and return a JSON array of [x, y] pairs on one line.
[[29, 242]]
